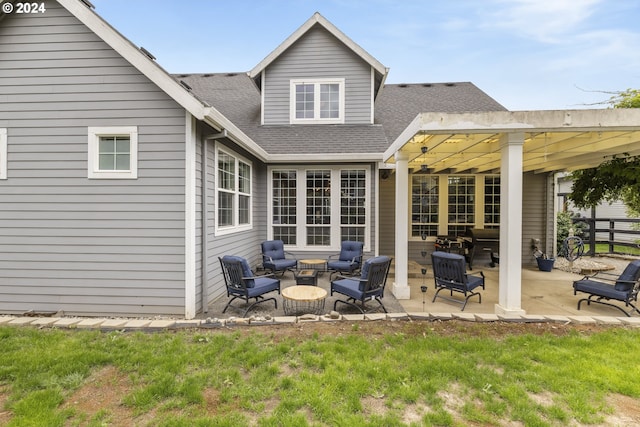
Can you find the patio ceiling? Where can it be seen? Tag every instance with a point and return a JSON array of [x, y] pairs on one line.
[[553, 140]]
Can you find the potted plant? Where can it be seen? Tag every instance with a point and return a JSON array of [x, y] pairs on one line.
[[544, 262]]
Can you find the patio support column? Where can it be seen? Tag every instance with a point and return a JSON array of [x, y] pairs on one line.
[[400, 286], [510, 278]]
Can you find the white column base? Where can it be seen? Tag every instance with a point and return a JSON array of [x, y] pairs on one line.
[[401, 291], [508, 311]]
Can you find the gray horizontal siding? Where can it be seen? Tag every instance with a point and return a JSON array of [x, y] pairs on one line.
[[318, 54], [534, 213], [89, 247], [243, 243]]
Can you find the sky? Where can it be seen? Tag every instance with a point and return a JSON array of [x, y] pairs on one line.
[[526, 54]]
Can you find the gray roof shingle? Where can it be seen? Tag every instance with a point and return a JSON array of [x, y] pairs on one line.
[[398, 104], [236, 96]]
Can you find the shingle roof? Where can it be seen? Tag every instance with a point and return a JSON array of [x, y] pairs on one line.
[[236, 96], [398, 104]]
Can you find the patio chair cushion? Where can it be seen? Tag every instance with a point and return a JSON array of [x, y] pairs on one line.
[[629, 276], [246, 269], [601, 289], [263, 285], [349, 258], [350, 250], [273, 249], [365, 269], [350, 287], [274, 256], [474, 281]]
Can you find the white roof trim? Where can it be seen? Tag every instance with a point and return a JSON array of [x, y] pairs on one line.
[[325, 158], [215, 118], [318, 19], [158, 75], [518, 121]]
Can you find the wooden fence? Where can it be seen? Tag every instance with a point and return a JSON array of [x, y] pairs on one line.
[[598, 228]]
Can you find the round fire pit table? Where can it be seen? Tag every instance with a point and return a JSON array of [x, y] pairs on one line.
[[316, 264], [303, 299]]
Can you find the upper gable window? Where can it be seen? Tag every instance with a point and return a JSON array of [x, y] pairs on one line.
[[317, 101]]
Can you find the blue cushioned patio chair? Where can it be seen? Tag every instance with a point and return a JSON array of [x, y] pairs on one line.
[[368, 287], [274, 257], [348, 260], [450, 275], [609, 287], [242, 283]]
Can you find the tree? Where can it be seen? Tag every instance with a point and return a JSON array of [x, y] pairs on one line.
[[629, 98], [616, 178]]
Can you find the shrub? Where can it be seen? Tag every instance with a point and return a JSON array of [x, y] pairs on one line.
[[565, 224]]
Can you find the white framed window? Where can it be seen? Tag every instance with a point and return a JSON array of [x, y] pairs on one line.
[[317, 101], [233, 192], [3, 153], [113, 152], [491, 201], [425, 205], [318, 207], [450, 204]]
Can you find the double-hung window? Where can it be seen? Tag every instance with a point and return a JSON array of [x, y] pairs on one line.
[[113, 152], [317, 101], [233, 192]]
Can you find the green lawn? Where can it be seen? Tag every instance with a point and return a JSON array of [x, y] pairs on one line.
[[335, 374], [602, 248]]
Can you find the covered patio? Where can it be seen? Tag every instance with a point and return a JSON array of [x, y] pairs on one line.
[[543, 293], [510, 143]]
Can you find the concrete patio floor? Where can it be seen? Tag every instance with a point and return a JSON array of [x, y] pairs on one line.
[[543, 293], [546, 296]]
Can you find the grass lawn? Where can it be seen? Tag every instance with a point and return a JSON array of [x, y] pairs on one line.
[[602, 248], [450, 373]]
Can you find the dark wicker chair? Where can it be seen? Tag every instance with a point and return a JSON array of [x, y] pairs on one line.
[[274, 257], [242, 283], [368, 287], [348, 260], [450, 275], [607, 287]]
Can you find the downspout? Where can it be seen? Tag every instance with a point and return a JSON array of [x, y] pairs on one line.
[[205, 216]]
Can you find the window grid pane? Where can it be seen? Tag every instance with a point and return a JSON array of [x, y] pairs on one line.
[[461, 216], [286, 234], [424, 205], [319, 197], [492, 201], [318, 236], [226, 171], [114, 153], [244, 178], [353, 204], [244, 216], [304, 101], [329, 101], [225, 208], [284, 197], [352, 233]]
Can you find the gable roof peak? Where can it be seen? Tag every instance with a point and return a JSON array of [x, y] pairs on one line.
[[318, 19]]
